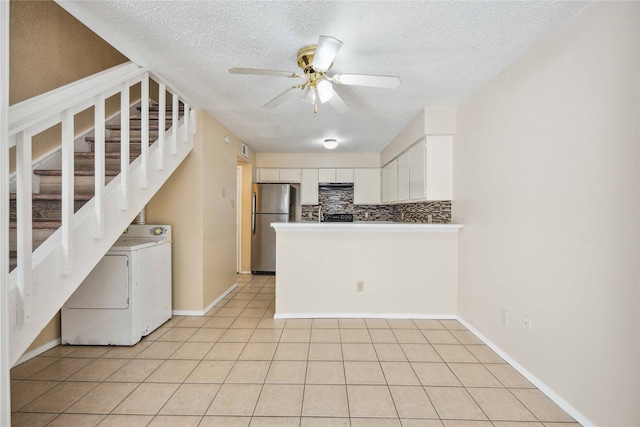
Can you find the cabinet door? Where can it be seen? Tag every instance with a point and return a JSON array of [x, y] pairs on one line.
[[366, 186], [327, 175], [390, 182], [268, 175], [403, 177], [439, 167], [289, 175], [417, 174], [309, 187], [344, 175]]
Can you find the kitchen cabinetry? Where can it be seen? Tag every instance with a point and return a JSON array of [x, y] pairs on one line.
[[439, 167], [403, 177], [309, 187], [417, 172], [278, 175], [335, 175], [390, 182], [366, 186]]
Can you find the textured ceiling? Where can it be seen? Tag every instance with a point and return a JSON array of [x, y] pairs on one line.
[[442, 52]]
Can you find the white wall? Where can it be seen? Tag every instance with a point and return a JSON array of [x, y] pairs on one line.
[[546, 165]]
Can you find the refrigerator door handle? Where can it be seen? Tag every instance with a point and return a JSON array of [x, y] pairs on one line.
[[253, 213]]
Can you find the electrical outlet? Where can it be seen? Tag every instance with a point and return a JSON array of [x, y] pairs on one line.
[[527, 323], [504, 317], [360, 286], [366, 214]]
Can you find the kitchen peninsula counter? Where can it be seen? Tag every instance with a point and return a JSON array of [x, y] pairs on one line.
[[407, 270]]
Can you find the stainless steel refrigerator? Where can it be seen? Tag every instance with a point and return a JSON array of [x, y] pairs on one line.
[[271, 203]]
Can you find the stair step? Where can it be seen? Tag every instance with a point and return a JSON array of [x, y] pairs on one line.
[[40, 224], [77, 172], [86, 159], [47, 206], [115, 139], [137, 126]]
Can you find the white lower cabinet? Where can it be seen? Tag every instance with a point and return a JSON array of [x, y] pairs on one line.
[[366, 186], [309, 187]]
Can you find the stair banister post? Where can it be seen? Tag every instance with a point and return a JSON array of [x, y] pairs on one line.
[[174, 124], [99, 150], [68, 193], [24, 226], [187, 122], [144, 140], [124, 145], [162, 113]]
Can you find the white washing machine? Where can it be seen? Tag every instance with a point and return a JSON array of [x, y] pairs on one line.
[[128, 293]]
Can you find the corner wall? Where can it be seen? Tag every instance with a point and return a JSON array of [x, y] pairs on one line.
[[547, 182]]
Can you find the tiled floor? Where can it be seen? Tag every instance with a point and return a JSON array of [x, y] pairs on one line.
[[237, 366]]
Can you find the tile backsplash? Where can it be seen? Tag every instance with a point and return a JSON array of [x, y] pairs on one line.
[[340, 200]]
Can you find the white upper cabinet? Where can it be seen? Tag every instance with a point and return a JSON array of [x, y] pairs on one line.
[[366, 186], [278, 175], [417, 173], [390, 182], [403, 177], [289, 175], [309, 187], [335, 175], [439, 167]]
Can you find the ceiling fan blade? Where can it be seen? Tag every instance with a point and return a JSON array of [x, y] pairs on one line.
[[338, 104], [282, 97], [326, 51], [261, 72], [385, 82]]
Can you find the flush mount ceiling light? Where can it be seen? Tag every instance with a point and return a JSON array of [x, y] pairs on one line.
[[330, 144], [315, 61]]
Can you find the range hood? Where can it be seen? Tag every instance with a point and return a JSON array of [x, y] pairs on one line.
[[335, 185]]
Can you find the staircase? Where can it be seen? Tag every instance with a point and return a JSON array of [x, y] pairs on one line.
[[59, 234]]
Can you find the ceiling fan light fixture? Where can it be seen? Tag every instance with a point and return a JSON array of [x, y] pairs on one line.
[[325, 90], [310, 95], [330, 144]]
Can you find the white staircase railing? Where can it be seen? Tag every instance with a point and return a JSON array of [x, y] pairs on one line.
[[45, 278]]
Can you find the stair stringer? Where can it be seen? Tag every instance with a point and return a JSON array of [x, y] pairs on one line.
[[51, 288]]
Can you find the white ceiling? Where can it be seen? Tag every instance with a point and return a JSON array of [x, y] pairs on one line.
[[442, 51]]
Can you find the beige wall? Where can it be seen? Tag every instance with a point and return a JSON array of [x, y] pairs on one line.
[[546, 165], [318, 160]]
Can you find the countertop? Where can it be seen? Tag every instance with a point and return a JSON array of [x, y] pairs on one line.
[[371, 226]]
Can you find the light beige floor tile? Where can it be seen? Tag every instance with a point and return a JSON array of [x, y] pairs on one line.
[[174, 321], [375, 422], [500, 405], [324, 422], [466, 337], [420, 353], [76, 420], [428, 324], [252, 312], [56, 352], [453, 324], [454, 403], [325, 335], [61, 369], [126, 420], [291, 351], [102, 399], [125, 352], [258, 304], [208, 335], [325, 401], [508, 376], [248, 371], [275, 421], [175, 421], [467, 423], [287, 372], [192, 350], [90, 351], [325, 351], [229, 312], [235, 399], [296, 335], [484, 354], [225, 351], [30, 367], [412, 402], [159, 350], [223, 421], [359, 352], [364, 373], [370, 401], [548, 424], [435, 336], [352, 323], [236, 335], [258, 351], [298, 324], [474, 375], [147, 399], [26, 391], [266, 335], [354, 335], [382, 336], [402, 324], [98, 370], [417, 422], [193, 322], [153, 336], [399, 373], [59, 398], [219, 322], [325, 372], [210, 371], [172, 371], [377, 323], [178, 334], [409, 336], [454, 353], [245, 323], [390, 352], [325, 323], [190, 399], [541, 406], [528, 424], [235, 303], [136, 370], [434, 374], [31, 419], [272, 323], [280, 400]]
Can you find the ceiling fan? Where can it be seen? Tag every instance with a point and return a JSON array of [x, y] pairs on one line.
[[315, 61]]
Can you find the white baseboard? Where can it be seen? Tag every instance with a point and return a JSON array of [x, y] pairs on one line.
[[363, 316], [38, 351], [555, 397], [209, 307]]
